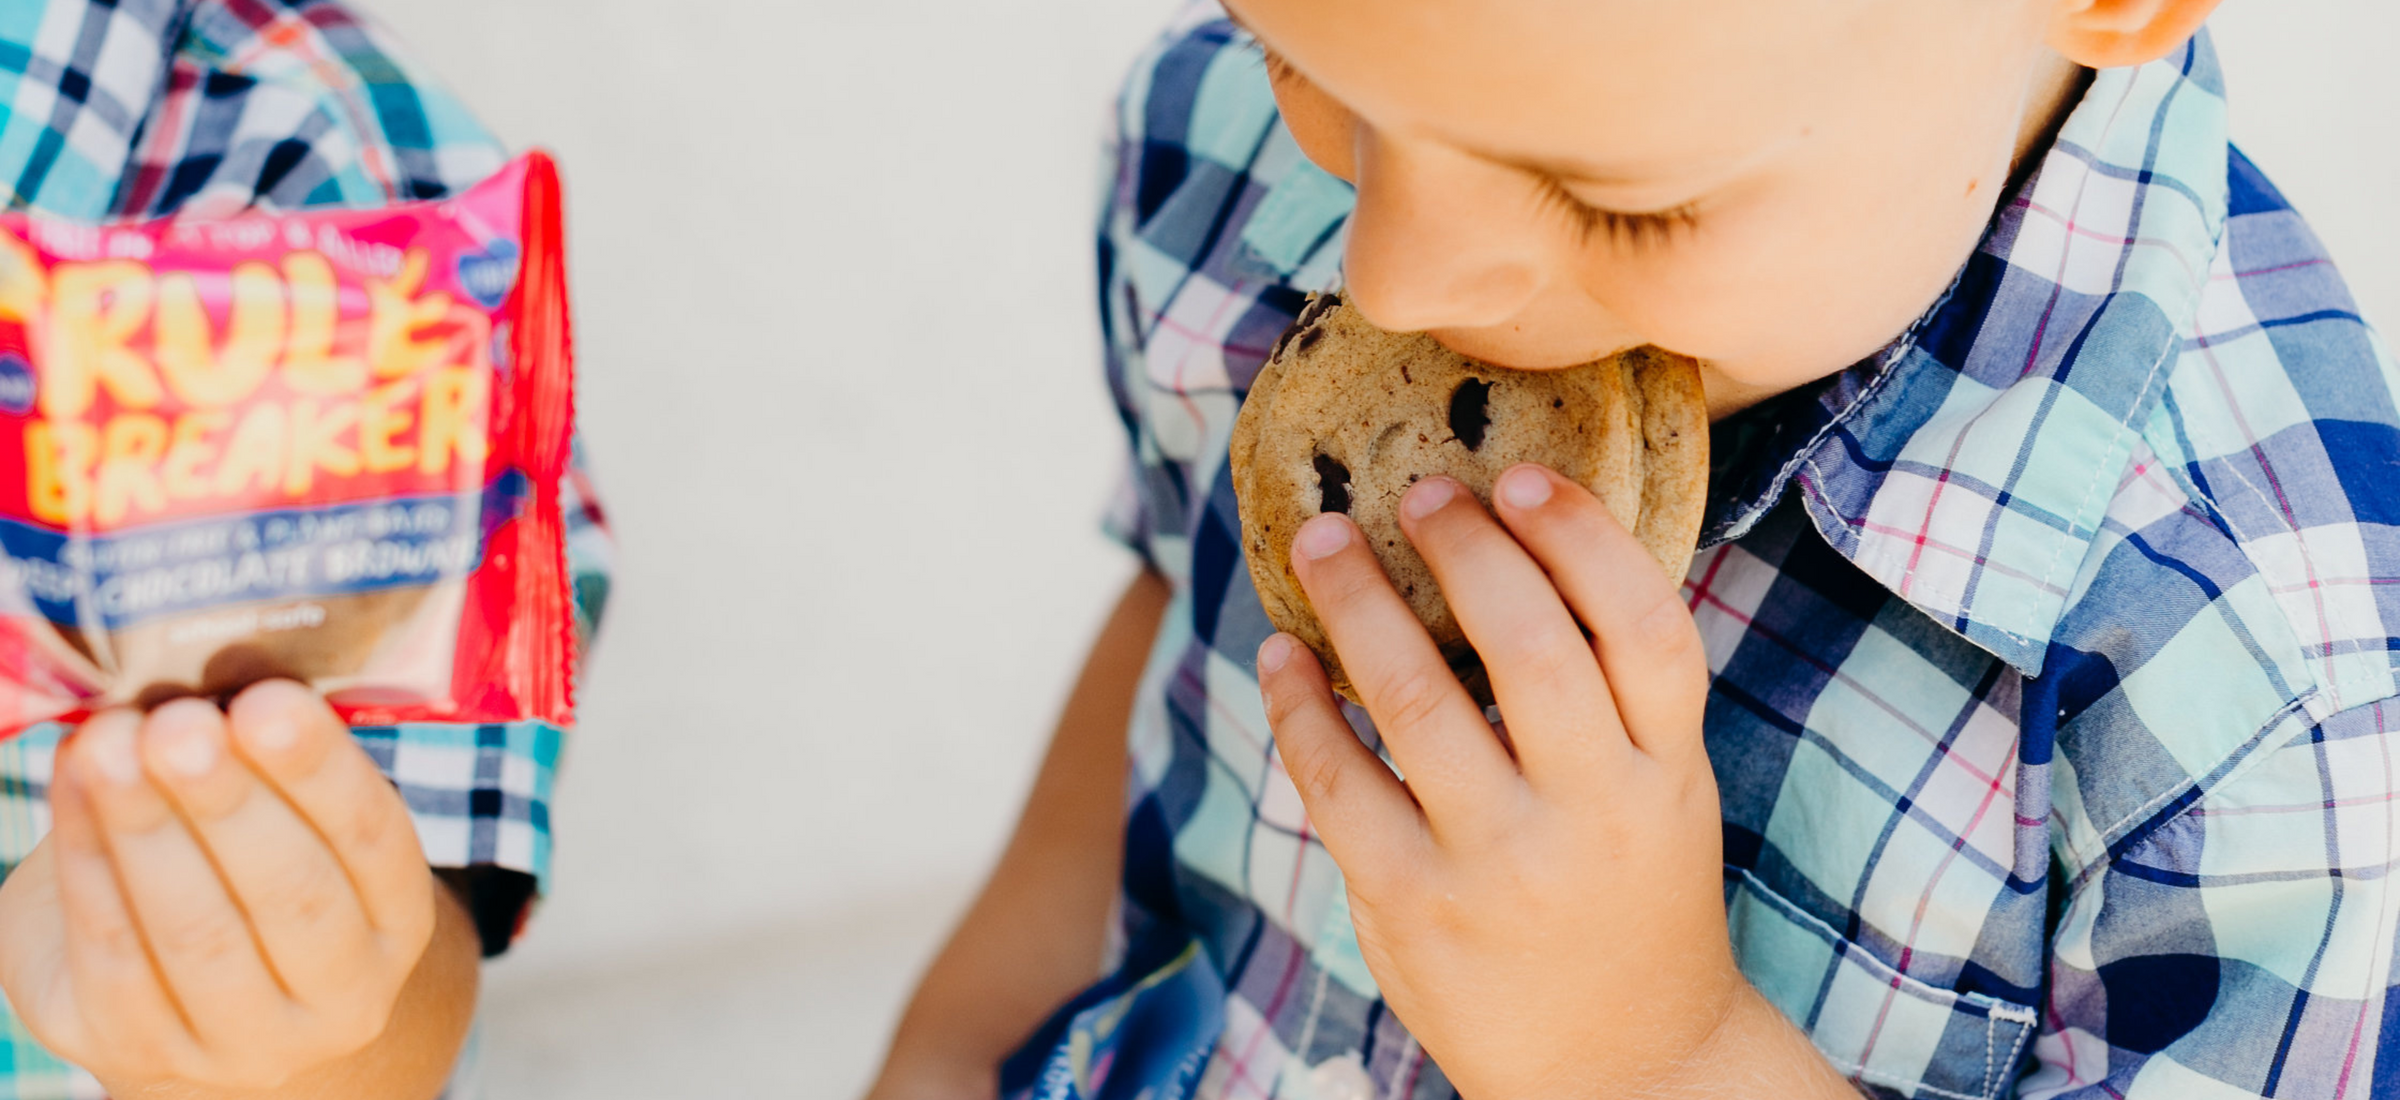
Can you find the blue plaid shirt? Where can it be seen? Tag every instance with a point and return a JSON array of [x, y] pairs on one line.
[[2053, 646], [137, 108]]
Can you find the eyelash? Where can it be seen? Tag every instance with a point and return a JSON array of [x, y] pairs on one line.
[[1277, 67], [1637, 231]]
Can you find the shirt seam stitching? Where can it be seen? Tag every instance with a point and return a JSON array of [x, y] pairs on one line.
[[1806, 454], [2226, 771], [2116, 442]]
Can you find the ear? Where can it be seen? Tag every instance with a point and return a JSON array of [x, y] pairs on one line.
[[2109, 34]]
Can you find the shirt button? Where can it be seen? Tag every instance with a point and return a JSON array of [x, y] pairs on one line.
[[1341, 1078]]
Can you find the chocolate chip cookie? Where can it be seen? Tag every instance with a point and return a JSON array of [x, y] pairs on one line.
[[1344, 417]]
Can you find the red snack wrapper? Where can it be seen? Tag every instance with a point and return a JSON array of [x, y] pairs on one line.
[[324, 445]]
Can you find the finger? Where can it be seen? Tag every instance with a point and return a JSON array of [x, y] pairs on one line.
[[1648, 647], [296, 742], [1357, 806], [198, 939], [1436, 733], [120, 995], [1543, 673], [302, 907]]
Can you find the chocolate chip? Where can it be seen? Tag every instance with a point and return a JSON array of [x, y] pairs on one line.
[[1471, 411], [1304, 327], [1283, 341], [1317, 308], [1333, 486]]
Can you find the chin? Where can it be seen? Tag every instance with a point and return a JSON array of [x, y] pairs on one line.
[[1521, 351]]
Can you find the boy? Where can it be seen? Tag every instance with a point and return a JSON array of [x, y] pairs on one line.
[[240, 903], [2024, 727]]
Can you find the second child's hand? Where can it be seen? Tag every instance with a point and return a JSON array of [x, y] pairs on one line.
[[1545, 913], [235, 904]]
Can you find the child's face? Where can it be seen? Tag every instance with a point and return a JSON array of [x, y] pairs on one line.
[[1776, 188]]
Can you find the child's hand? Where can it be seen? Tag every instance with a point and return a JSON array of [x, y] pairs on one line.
[[226, 899], [1551, 924]]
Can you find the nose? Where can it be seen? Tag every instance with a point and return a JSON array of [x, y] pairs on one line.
[[1440, 239]]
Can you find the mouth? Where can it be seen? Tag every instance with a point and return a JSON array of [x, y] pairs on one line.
[[1508, 349], [1513, 349]]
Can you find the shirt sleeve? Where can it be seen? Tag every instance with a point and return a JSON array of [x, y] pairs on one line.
[[2245, 947], [1128, 518]]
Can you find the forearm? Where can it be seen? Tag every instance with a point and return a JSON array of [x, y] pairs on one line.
[[1035, 935], [413, 1057]]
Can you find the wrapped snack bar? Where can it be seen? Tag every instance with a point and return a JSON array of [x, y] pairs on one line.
[[321, 445]]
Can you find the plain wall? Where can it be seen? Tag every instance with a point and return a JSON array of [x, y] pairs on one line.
[[833, 276]]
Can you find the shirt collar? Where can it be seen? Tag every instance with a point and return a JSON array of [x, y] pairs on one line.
[[1968, 465]]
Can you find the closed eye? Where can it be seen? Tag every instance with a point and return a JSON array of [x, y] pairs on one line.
[[1277, 67], [1635, 231]]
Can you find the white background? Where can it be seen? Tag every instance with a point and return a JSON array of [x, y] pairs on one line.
[[833, 267]]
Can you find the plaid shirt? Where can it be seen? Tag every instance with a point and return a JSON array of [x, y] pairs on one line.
[[2053, 646], [139, 108]]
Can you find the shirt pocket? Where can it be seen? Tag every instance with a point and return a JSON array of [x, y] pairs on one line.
[[1897, 1034]]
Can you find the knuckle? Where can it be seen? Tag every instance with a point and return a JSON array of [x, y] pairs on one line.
[[1412, 698], [1546, 657], [306, 891], [117, 942], [1316, 770], [204, 938], [359, 828], [1455, 536], [1476, 534], [1340, 582], [1662, 626], [1282, 705]]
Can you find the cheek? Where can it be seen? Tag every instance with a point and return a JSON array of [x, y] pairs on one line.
[[1807, 275]]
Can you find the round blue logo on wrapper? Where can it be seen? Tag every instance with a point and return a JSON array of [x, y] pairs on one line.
[[492, 274], [16, 384]]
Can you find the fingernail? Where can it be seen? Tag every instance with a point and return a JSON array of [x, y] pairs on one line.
[[267, 716], [1428, 497], [1525, 487], [108, 744], [1275, 653], [273, 733], [1322, 536], [183, 743]]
